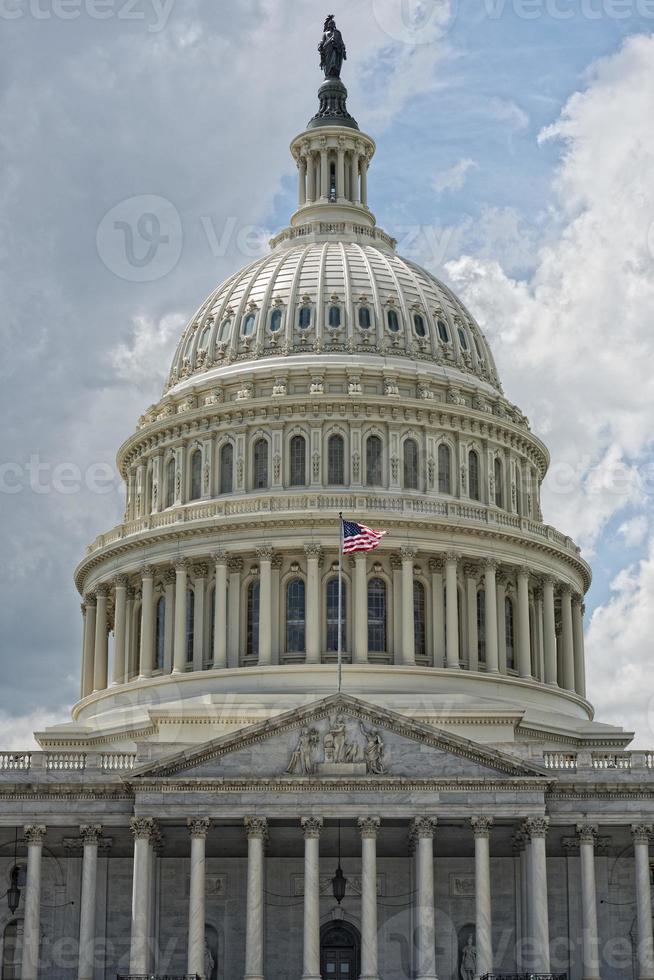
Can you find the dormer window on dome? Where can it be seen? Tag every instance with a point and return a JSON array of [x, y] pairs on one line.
[[364, 317], [443, 332], [419, 325], [304, 319], [393, 321]]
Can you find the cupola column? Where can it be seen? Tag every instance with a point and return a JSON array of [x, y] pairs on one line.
[[567, 639], [302, 181], [524, 636], [490, 617], [120, 629], [423, 830], [313, 554], [579, 653], [256, 829], [34, 835], [590, 943], [146, 653], [481, 827], [311, 932], [324, 175], [179, 648], [361, 608], [101, 665], [451, 610], [88, 659], [364, 181], [340, 173], [641, 837], [220, 611], [265, 556], [549, 631], [354, 177], [311, 177], [408, 630]]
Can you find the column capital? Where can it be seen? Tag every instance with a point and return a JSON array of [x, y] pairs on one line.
[[103, 591], [368, 827], [586, 833], [481, 826], [220, 557], [34, 833], [311, 826], [538, 593], [396, 562], [277, 561], [470, 570], [536, 827], [577, 599], [519, 841], [490, 564], [436, 565], [424, 827], [148, 571], [198, 826], [641, 833], [523, 571], [90, 833], [265, 554], [256, 828], [121, 581], [182, 565], [169, 576], [201, 570], [313, 552], [90, 600], [235, 564], [408, 554], [143, 828], [548, 580], [566, 589], [452, 558]]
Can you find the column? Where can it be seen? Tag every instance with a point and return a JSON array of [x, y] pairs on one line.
[[302, 181], [311, 177], [90, 835], [364, 181], [641, 835], [34, 835], [340, 174], [549, 631], [354, 177], [169, 626], [101, 665], [88, 657], [519, 849], [500, 585], [200, 573], [220, 611], [470, 574], [368, 827], [256, 829], [265, 556], [587, 835], [120, 629], [490, 617], [324, 176], [437, 612], [129, 653], [143, 829], [179, 644], [567, 640], [146, 653], [424, 828], [361, 608], [539, 930], [235, 566], [451, 611], [579, 654], [481, 827], [408, 629], [199, 828], [313, 553], [524, 639], [311, 944]]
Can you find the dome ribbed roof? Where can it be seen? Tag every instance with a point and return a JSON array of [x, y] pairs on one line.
[[342, 290]]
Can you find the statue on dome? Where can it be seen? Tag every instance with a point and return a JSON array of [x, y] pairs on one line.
[[332, 49]]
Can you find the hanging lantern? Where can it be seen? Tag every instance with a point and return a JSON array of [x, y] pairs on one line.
[[13, 895], [339, 881]]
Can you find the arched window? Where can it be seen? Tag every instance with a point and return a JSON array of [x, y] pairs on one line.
[[227, 468], [419, 631], [252, 638], [481, 626], [248, 324], [463, 340], [364, 317], [473, 475], [499, 482], [444, 468], [295, 616], [196, 475], [332, 615], [336, 461], [334, 317], [443, 332], [170, 482], [374, 461], [419, 325], [304, 320], [298, 456], [275, 321], [377, 615], [160, 634], [204, 336], [393, 321], [509, 632], [11, 952], [223, 333], [260, 464], [410, 464], [190, 625]]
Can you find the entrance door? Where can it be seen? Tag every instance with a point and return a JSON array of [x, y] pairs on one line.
[[339, 952]]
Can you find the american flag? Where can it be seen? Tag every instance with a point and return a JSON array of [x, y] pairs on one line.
[[358, 537]]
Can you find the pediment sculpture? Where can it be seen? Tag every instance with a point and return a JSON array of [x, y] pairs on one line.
[[346, 749]]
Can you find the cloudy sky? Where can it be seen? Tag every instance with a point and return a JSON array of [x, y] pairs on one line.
[[515, 160]]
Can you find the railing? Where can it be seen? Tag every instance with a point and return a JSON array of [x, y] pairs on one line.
[[157, 976], [560, 760], [117, 761], [524, 976], [65, 761], [15, 761], [612, 760]]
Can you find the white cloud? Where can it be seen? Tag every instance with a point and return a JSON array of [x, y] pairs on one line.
[[16, 731], [454, 177], [634, 531], [145, 359]]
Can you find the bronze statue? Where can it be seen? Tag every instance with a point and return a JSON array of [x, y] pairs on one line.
[[332, 49]]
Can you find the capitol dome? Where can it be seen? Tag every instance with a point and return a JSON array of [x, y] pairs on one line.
[[332, 376]]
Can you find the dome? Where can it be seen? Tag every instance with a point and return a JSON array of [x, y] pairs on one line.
[[330, 292]]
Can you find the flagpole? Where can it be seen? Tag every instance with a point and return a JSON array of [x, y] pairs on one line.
[[340, 601]]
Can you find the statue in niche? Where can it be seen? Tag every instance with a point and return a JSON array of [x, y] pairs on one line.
[[302, 760], [332, 49], [374, 751], [209, 962], [469, 959]]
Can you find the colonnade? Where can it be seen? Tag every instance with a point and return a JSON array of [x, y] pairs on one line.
[[530, 840], [335, 175], [470, 613]]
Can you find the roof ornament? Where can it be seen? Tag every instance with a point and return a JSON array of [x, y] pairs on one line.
[[332, 49]]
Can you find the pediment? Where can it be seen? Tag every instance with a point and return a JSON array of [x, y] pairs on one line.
[[339, 737]]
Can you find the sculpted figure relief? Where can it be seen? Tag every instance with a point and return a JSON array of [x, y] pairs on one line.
[[374, 751], [338, 749], [332, 49], [469, 960], [302, 761]]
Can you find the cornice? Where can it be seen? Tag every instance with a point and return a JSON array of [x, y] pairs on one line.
[[333, 784]]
